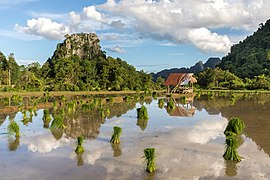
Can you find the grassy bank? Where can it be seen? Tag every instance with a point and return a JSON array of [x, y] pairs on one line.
[[233, 91], [69, 93]]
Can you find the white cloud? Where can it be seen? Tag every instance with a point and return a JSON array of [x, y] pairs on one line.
[[117, 24], [48, 15], [75, 18], [188, 21], [206, 41], [206, 130], [180, 21], [44, 27], [168, 44], [45, 143], [116, 49], [91, 13]]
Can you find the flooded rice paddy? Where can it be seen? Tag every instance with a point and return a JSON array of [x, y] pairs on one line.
[[189, 139]]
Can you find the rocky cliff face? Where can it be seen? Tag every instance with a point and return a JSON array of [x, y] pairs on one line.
[[82, 45]]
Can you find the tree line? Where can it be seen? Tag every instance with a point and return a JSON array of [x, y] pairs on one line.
[[74, 74]]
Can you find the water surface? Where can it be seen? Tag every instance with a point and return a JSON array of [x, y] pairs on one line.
[[189, 142]]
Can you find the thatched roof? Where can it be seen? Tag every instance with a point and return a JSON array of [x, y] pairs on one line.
[[179, 78]]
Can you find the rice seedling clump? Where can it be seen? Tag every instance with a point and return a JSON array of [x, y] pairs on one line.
[[117, 131], [79, 149], [14, 128], [235, 125], [149, 158], [142, 113]]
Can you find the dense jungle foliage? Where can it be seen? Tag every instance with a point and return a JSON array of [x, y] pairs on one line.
[[247, 66], [74, 74], [251, 57]]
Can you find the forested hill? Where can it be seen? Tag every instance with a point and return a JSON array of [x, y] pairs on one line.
[[78, 64], [251, 57], [198, 67]]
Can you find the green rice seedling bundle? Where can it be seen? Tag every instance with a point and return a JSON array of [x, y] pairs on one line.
[[57, 123], [31, 112], [127, 99], [111, 99], [107, 112], [102, 113], [142, 97], [14, 128], [235, 125], [170, 104], [24, 115], [117, 131], [54, 105], [149, 158], [46, 115], [79, 149], [155, 95], [161, 103], [142, 113], [62, 112], [183, 99], [231, 152], [46, 118], [63, 98], [85, 107]]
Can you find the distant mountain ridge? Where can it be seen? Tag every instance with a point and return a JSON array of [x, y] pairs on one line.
[[198, 67]]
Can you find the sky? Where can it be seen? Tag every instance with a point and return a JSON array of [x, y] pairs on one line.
[[149, 34]]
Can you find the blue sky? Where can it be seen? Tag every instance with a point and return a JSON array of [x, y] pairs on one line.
[[150, 34]]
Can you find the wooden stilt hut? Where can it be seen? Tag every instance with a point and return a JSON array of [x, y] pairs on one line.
[[180, 83]]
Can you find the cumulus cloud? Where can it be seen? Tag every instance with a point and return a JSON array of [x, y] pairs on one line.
[[205, 130], [117, 24], [203, 39], [183, 21], [91, 13], [116, 49], [187, 21], [44, 143], [44, 27]]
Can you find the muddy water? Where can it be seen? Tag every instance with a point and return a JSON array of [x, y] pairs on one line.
[[189, 142]]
